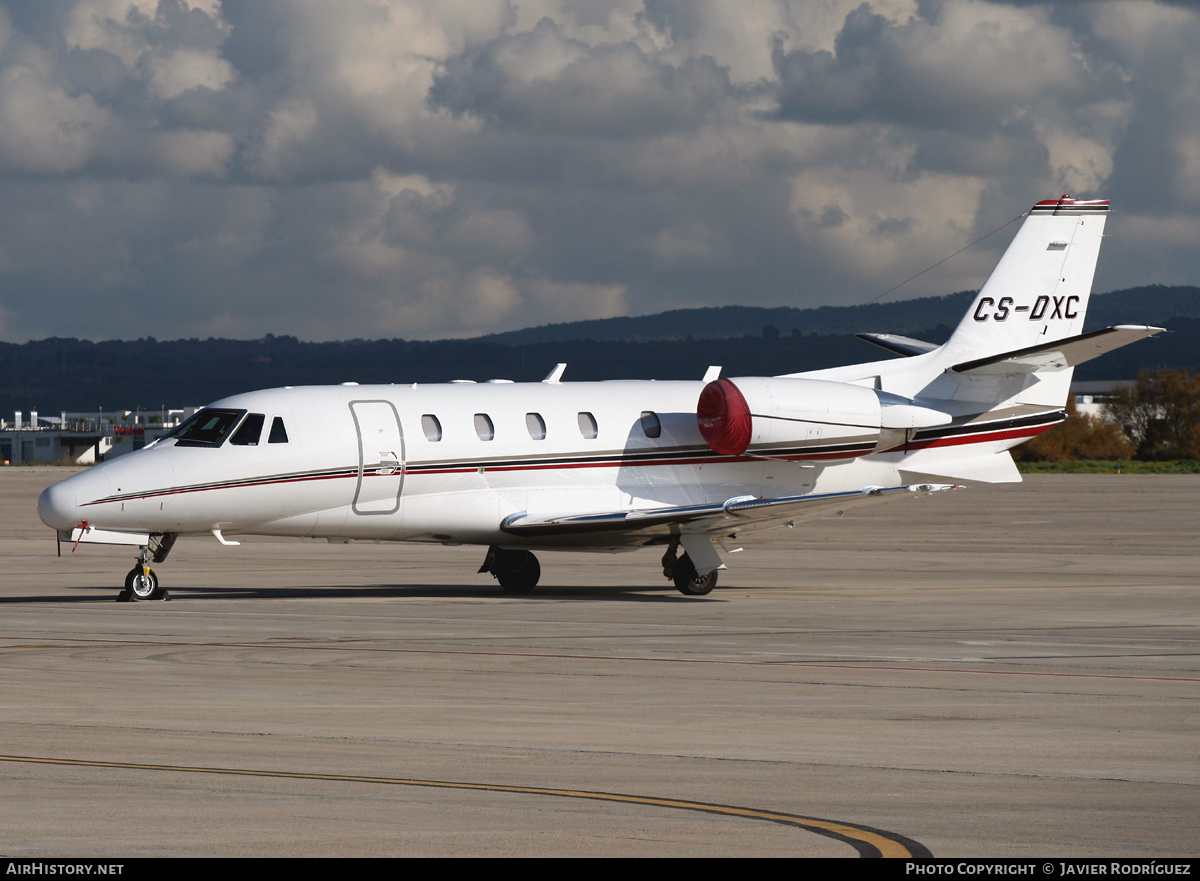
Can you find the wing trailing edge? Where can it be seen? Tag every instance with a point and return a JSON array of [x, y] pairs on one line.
[[711, 519]]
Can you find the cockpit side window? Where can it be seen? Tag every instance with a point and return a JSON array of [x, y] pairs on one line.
[[278, 432], [208, 428], [249, 432]]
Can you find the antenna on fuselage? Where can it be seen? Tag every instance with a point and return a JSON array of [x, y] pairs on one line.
[[555, 375]]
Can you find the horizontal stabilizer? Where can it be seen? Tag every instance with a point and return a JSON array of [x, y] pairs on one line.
[[735, 514], [992, 468], [1059, 354], [901, 345]]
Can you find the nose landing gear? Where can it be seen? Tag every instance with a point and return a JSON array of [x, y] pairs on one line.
[[141, 584]]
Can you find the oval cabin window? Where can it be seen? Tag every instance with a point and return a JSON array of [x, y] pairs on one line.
[[484, 427], [432, 427], [536, 425], [651, 427], [587, 425]]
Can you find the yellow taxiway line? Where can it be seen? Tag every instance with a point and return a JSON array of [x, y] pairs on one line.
[[867, 841]]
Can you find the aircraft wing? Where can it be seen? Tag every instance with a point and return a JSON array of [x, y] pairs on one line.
[[734, 515], [1059, 354]]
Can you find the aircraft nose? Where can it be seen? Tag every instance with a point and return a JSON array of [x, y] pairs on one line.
[[58, 507]]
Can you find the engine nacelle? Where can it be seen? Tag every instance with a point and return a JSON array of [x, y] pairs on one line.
[[781, 415]]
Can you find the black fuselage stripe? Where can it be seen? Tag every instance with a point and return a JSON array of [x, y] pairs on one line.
[[676, 456]]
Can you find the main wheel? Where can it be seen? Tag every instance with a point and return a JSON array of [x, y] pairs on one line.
[[142, 585], [517, 571], [688, 582]]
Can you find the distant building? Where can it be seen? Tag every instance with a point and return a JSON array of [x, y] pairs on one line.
[[83, 438], [1090, 397]]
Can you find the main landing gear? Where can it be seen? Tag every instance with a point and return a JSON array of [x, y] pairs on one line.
[[682, 571], [141, 584], [517, 571]]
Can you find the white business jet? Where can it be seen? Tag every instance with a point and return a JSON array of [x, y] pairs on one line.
[[684, 467]]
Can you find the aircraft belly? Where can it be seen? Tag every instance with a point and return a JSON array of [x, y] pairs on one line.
[[471, 517]]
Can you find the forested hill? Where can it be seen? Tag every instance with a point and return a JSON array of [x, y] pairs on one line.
[[1142, 305], [67, 374]]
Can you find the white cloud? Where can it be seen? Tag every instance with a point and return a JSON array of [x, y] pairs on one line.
[[418, 168], [175, 72], [43, 129], [110, 25], [289, 127]]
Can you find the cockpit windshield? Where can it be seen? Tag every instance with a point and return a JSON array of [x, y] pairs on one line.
[[208, 428]]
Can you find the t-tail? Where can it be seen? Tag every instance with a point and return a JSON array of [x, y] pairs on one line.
[[1039, 291], [1023, 334], [1004, 375]]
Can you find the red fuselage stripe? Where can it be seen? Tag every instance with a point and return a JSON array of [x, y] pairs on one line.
[[419, 471]]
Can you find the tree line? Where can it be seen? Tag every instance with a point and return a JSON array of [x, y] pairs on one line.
[[1155, 419]]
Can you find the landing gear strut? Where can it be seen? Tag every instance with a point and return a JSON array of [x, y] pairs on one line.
[[517, 571], [141, 583]]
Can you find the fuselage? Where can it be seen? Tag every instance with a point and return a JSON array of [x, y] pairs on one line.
[[448, 463]]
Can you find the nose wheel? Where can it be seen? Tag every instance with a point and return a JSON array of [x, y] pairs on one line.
[[141, 584]]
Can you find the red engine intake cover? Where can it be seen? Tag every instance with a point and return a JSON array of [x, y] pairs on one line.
[[724, 418]]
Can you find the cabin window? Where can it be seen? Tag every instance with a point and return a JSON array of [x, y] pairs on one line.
[[207, 428], [278, 433], [651, 427], [536, 425], [484, 427], [432, 426], [249, 432], [587, 425]]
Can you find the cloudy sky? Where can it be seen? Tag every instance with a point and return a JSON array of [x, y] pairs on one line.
[[429, 168]]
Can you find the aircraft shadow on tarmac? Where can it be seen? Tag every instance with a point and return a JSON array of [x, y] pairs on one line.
[[104, 593]]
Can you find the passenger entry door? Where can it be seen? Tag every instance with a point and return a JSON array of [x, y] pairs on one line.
[[380, 457]]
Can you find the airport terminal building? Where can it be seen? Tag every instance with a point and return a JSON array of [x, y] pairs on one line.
[[83, 438]]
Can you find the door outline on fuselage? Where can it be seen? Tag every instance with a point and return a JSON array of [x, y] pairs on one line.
[[380, 455]]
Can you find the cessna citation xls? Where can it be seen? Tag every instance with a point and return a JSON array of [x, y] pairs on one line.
[[614, 466]]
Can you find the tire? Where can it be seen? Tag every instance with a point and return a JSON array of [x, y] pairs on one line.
[[517, 571], [687, 582], [142, 586]]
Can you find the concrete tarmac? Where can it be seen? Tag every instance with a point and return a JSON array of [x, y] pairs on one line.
[[1007, 671]]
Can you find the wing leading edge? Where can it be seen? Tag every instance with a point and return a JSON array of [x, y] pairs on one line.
[[1059, 354]]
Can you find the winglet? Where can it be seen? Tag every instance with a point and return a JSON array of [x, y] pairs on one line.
[[712, 374], [555, 376]]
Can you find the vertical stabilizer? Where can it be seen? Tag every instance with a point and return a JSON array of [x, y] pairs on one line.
[[1039, 291]]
